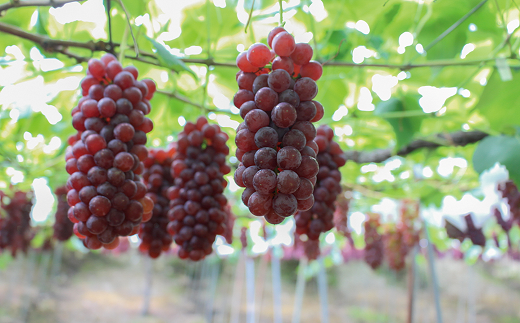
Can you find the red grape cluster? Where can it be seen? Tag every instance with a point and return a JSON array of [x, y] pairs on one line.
[[154, 234], [197, 203], [373, 242], [230, 223], [472, 232], [341, 214], [319, 217], [510, 191], [275, 142], [15, 227], [105, 156], [62, 225], [395, 248]]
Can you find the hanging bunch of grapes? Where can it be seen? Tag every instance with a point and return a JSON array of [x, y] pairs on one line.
[[105, 157], [395, 248], [475, 234], [62, 225], [157, 177], [374, 248], [317, 215], [510, 191], [15, 225], [275, 142], [230, 223], [197, 203], [409, 223]]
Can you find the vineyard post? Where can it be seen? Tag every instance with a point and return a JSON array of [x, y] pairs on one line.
[[210, 303], [323, 290], [237, 288], [56, 259], [300, 289], [261, 279], [412, 276], [148, 264], [277, 286], [29, 277], [433, 274], [43, 271], [250, 289]]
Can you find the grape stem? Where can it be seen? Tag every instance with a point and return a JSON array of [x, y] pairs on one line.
[[281, 12], [250, 16], [109, 17]]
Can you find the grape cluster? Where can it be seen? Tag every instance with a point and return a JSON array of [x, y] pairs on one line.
[[395, 248], [62, 225], [156, 175], [319, 217], [374, 248], [341, 214], [105, 157], [510, 191], [197, 203], [476, 235], [230, 223], [15, 227], [275, 146]]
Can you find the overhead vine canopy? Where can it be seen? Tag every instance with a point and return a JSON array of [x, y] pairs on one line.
[[421, 94]]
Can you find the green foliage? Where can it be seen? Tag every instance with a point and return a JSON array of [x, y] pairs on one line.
[[502, 149], [203, 31]]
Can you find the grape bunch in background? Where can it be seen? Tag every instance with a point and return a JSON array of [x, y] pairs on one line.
[[156, 175], [197, 203], [62, 225], [275, 143], [105, 157], [15, 222], [319, 218], [374, 248]]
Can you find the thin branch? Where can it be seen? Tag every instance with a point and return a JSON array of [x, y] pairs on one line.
[[52, 44], [455, 25], [188, 101], [459, 138], [56, 45], [34, 3]]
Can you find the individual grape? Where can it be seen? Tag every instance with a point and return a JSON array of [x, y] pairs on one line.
[[245, 81], [289, 158], [319, 112], [290, 97], [260, 82], [272, 34], [244, 65], [266, 99], [259, 204], [245, 108], [266, 158], [302, 54], [256, 119], [283, 44], [258, 55], [264, 181], [288, 182], [306, 111], [306, 88], [294, 138], [284, 63], [280, 80], [283, 115], [313, 69], [266, 137], [285, 204]]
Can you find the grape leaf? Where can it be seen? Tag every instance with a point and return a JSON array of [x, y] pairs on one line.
[[499, 100], [502, 149], [404, 127], [168, 60]]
